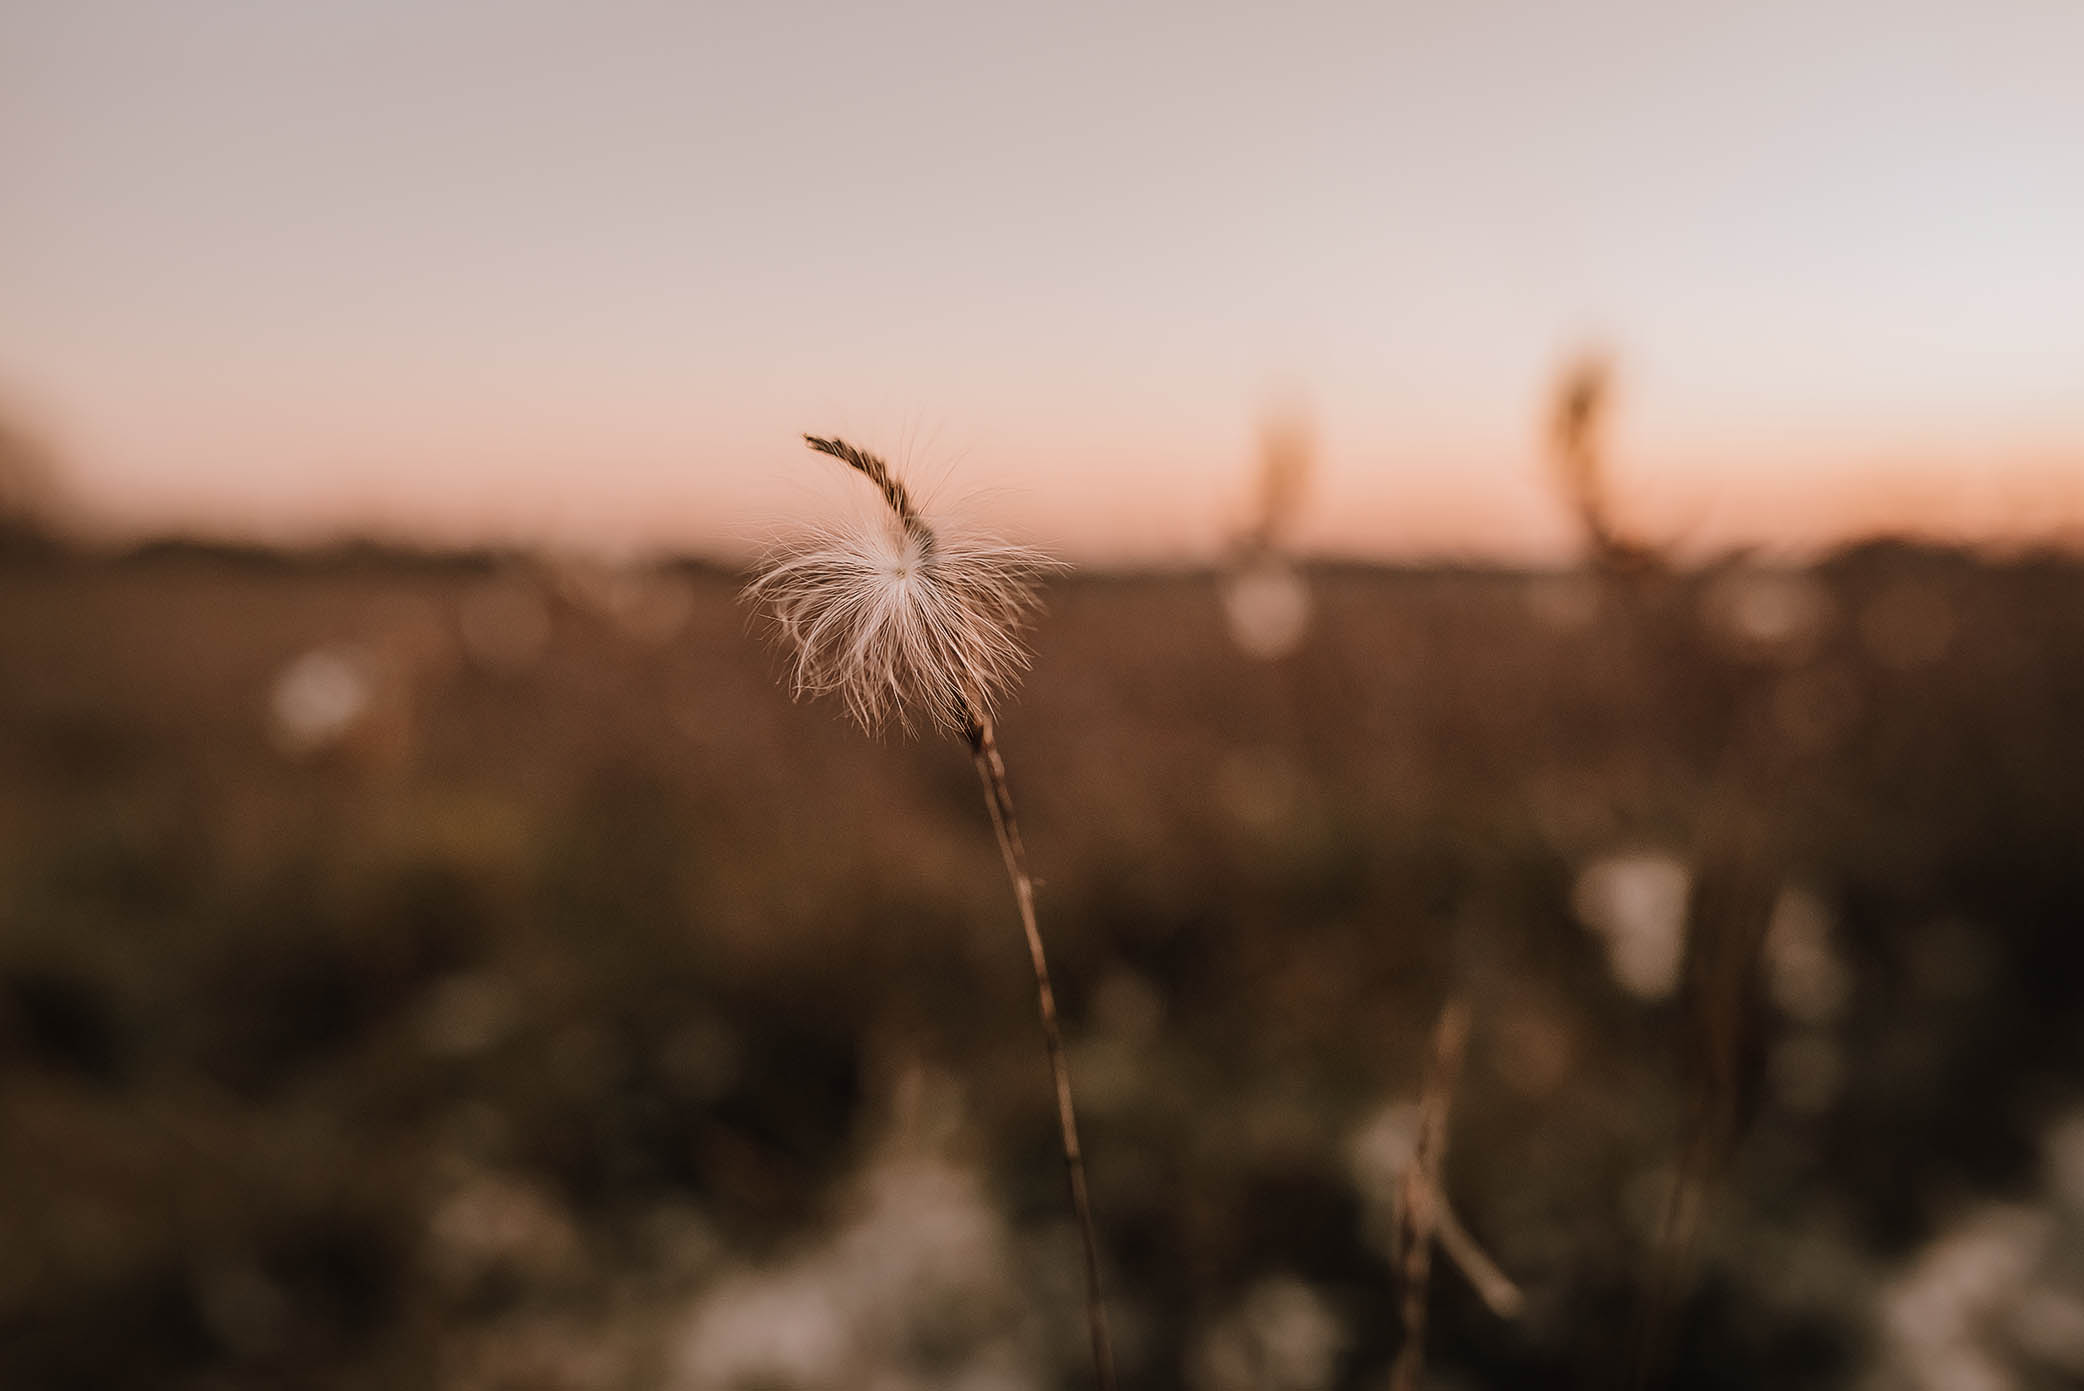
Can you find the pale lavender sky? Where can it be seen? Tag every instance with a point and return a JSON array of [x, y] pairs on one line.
[[586, 271]]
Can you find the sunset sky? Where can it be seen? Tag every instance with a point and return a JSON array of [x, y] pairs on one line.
[[585, 272]]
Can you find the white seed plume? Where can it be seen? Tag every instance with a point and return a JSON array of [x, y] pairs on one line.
[[906, 625]]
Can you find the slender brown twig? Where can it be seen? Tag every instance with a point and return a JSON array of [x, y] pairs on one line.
[[998, 798], [1418, 1197], [1731, 911], [1492, 1285]]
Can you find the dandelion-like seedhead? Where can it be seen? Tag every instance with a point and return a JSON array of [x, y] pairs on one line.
[[905, 624]]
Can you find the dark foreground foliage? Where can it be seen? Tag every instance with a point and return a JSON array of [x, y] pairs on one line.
[[480, 975]]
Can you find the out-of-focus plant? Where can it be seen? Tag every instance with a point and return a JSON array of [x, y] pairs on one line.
[[1265, 600], [1578, 416], [28, 485]]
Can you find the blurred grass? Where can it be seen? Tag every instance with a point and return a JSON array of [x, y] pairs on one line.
[[577, 918]]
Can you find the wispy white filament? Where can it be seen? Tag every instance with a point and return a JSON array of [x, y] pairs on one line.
[[904, 624]]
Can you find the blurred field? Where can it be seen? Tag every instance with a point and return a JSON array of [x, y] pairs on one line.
[[475, 972]]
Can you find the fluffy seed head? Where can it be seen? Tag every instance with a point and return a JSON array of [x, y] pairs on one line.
[[905, 624]]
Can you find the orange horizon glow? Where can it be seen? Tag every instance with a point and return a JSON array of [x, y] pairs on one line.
[[1106, 503]]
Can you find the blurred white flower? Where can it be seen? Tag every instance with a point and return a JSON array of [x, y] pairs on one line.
[[1637, 902], [1284, 1337], [1268, 607], [319, 699], [914, 1290], [1769, 612]]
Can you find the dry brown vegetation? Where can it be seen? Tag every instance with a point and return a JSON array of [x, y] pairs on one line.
[[573, 1008]]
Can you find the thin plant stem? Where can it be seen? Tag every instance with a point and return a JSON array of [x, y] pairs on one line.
[[1421, 1193], [1492, 1285], [937, 626], [998, 798]]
